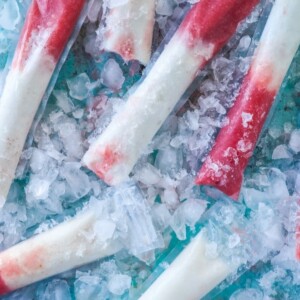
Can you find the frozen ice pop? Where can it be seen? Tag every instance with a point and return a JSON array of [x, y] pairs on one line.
[[205, 29], [64, 247], [128, 29], [225, 165], [47, 28], [217, 251]]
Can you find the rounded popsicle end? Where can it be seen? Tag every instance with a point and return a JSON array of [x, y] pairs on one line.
[[4, 289], [107, 163], [227, 181]]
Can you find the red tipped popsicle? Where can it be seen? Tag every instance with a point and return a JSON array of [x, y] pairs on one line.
[[225, 165], [62, 248], [52, 18], [47, 29]]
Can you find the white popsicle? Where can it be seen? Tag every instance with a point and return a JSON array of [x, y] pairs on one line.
[[191, 276], [46, 31], [64, 247], [114, 153], [128, 29]]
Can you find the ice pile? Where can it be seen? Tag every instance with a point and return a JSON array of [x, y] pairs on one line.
[[161, 201]]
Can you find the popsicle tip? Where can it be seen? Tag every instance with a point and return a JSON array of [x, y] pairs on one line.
[[229, 184], [104, 163], [4, 289]]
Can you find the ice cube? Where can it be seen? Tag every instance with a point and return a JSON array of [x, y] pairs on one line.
[[223, 69], [87, 287], [275, 133], [294, 142], [9, 15], [78, 182], [281, 152], [63, 101], [187, 214], [134, 219], [71, 137], [118, 284], [39, 160], [169, 161], [112, 75], [161, 216], [57, 290], [78, 86], [148, 175], [170, 198], [37, 189], [244, 43], [165, 7]]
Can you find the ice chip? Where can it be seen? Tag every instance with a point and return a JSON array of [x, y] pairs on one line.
[[63, 101], [9, 14], [78, 86], [118, 284], [87, 287], [164, 7], [37, 189], [57, 290], [77, 180], [294, 142], [187, 214], [281, 152], [112, 75]]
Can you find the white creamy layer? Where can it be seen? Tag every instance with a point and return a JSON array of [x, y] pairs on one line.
[[19, 102], [279, 42], [131, 21], [191, 276], [64, 247], [132, 129]]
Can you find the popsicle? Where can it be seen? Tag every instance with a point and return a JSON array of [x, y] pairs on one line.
[[217, 251], [205, 29], [47, 29], [225, 164], [64, 247], [128, 29]]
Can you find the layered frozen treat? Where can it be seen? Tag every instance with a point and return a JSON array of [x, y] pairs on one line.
[[224, 167], [47, 29]]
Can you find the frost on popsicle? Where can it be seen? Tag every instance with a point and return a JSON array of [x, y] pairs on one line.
[[128, 29], [225, 165], [201, 35], [47, 29]]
